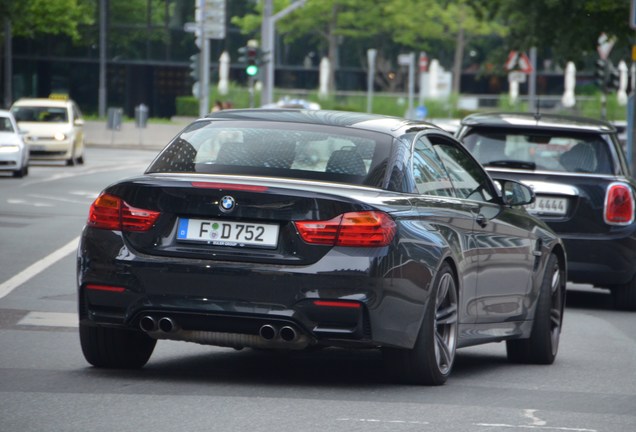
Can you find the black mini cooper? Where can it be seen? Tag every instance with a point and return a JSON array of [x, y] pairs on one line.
[[584, 188]]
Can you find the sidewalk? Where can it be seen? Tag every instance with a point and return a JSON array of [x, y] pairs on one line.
[[154, 136]]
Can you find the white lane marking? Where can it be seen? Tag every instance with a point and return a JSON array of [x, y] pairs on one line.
[[50, 319], [555, 428], [38, 267], [536, 421], [62, 176], [384, 421], [30, 203], [52, 198], [86, 194]]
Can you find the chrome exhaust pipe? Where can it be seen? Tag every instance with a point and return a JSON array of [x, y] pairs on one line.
[[148, 324], [288, 334], [167, 325], [267, 332]]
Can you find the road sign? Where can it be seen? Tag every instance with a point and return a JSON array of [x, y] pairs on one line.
[[517, 76], [518, 61], [423, 62], [605, 45], [405, 59]]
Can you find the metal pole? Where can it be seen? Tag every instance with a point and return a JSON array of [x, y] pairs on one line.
[[532, 84], [371, 54], [267, 46], [411, 83], [101, 92], [204, 64], [8, 60], [268, 30]]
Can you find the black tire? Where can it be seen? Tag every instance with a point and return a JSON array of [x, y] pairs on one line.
[[80, 160], [624, 296], [543, 344], [19, 173], [115, 348], [431, 359], [70, 162]]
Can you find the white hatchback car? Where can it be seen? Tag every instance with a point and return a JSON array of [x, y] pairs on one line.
[[54, 129], [14, 153]]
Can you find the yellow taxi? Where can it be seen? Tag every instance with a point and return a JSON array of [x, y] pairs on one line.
[[53, 127]]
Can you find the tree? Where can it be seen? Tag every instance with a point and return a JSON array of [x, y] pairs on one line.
[[30, 18], [568, 29], [327, 22], [420, 23]]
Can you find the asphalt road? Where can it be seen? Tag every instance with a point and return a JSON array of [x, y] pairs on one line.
[[45, 384]]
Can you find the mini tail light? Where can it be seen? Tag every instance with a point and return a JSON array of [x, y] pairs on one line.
[[619, 204], [112, 213], [355, 229]]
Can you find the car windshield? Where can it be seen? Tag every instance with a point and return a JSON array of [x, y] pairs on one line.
[[548, 151], [45, 114], [301, 151]]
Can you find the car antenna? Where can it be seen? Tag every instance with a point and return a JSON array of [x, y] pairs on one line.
[[537, 113]]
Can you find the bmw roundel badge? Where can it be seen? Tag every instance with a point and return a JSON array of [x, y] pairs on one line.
[[227, 203]]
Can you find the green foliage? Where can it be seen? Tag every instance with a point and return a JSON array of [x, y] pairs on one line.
[[567, 29], [31, 18]]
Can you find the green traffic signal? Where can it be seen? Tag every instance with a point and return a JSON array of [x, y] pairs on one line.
[[251, 70]]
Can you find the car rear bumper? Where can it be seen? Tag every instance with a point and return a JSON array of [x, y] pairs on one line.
[[601, 261], [229, 303]]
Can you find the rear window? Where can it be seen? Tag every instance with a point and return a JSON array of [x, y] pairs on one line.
[[289, 150], [537, 150]]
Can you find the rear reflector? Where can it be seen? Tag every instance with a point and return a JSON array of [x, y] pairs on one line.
[[112, 213], [355, 229], [108, 288], [229, 186], [337, 304], [619, 204]]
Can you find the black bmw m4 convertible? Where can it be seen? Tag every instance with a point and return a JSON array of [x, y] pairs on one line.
[[294, 229]]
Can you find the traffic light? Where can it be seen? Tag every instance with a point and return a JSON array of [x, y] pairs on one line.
[[195, 66], [252, 61], [250, 57], [600, 73], [613, 78]]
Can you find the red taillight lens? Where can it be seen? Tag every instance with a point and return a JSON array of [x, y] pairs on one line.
[[337, 304], [619, 205], [230, 186], [358, 229], [112, 213], [105, 288]]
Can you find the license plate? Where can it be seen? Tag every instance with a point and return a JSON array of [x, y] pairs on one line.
[[227, 233], [548, 206]]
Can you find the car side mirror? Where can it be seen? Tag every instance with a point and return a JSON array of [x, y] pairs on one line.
[[78, 122], [514, 193]]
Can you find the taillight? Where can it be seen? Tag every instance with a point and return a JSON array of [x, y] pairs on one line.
[[360, 229], [112, 213], [619, 204]]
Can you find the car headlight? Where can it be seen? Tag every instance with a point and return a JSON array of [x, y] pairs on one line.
[[9, 148], [59, 136]]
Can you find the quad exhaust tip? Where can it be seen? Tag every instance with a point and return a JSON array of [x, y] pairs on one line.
[[268, 332], [167, 325], [288, 334], [148, 324]]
